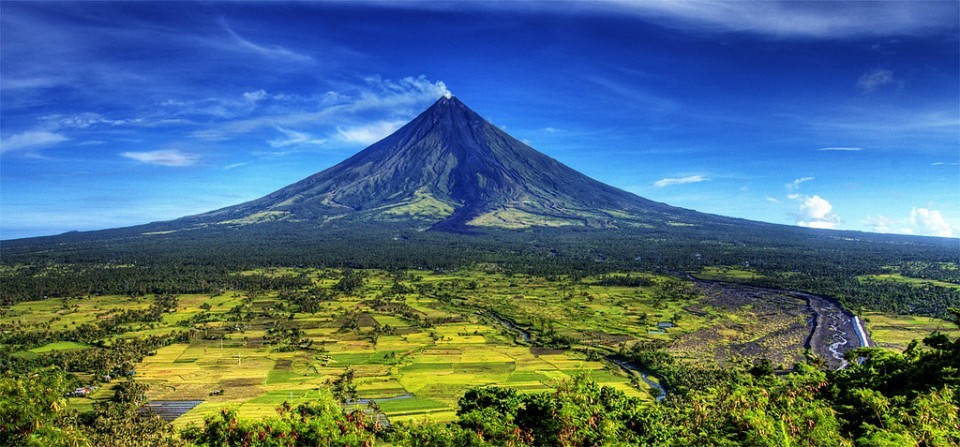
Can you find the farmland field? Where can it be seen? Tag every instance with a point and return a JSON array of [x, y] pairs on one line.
[[895, 277], [897, 331], [409, 344]]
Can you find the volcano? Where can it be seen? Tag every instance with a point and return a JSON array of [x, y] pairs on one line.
[[450, 189], [451, 170]]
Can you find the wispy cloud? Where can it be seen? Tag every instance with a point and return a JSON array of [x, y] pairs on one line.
[[874, 79], [795, 185], [167, 157], [235, 165], [258, 95], [882, 224], [798, 19], [776, 18], [772, 199], [30, 140], [12, 82], [679, 181], [359, 105], [370, 133], [633, 95], [404, 92], [884, 122], [275, 52], [840, 149], [814, 212], [292, 137], [943, 163], [87, 120]]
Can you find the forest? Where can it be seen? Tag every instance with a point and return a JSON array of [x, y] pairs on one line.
[[828, 263]]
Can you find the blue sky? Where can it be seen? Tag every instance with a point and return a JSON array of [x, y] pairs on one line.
[[820, 114]]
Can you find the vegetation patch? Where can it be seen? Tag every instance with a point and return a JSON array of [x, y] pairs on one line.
[[917, 282], [415, 341], [898, 331], [59, 346]]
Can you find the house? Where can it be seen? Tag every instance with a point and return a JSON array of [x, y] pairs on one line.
[[664, 325], [81, 392]]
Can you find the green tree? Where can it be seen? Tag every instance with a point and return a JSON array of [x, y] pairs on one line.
[[32, 410], [350, 281], [321, 422]]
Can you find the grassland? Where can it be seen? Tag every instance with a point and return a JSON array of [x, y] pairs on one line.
[[917, 282], [727, 273], [897, 331], [413, 342]]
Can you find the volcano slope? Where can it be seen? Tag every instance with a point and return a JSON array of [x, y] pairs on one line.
[[449, 169]]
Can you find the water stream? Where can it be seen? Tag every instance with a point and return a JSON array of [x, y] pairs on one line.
[[645, 376]]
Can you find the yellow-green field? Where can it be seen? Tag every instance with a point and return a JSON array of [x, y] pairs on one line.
[[413, 341], [418, 368], [727, 273], [897, 331], [896, 277]]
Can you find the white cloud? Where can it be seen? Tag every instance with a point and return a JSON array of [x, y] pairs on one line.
[[875, 79], [79, 121], [922, 221], [799, 19], [795, 185], [29, 82], [679, 181], [634, 94], [887, 122], [29, 140], [840, 149], [402, 92], [275, 52], [778, 18], [882, 224], [374, 100], [930, 223], [772, 199], [235, 165], [169, 157], [370, 133], [293, 137], [255, 96], [942, 163], [814, 212]]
